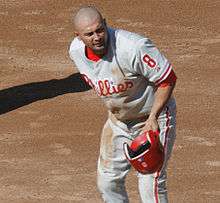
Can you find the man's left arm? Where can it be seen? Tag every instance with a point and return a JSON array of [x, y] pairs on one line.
[[162, 95]]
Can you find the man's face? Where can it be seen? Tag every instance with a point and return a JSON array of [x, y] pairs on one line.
[[94, 35]]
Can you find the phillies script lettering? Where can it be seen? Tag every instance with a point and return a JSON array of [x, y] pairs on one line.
[[106, 88]]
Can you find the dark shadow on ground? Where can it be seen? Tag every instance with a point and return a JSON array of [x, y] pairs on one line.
[[18, 96]]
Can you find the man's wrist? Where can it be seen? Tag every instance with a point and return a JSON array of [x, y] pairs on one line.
[[153, 116]]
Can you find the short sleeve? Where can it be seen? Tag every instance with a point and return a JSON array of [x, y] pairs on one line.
[[150, 62]]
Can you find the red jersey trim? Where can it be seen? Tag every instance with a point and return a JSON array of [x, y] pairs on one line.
[[164, 76], [171, 78], [91, 55], [158, 173]]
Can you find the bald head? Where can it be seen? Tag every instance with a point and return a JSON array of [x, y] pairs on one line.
[[86, 16], [91, 29]]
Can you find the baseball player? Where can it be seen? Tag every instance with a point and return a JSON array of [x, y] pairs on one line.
[[135, 81]]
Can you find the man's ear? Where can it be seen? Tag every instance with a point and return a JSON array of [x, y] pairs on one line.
[[76, 34], [104, 22]]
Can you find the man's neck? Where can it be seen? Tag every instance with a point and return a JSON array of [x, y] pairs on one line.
[[94, 55]]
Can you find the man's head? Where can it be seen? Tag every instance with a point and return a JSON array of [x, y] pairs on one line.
[[91, 28]]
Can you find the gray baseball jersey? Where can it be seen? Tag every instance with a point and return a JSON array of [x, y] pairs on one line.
[[126, 77]]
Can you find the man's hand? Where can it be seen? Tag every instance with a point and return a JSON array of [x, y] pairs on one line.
[[162, 95], [151, 124]]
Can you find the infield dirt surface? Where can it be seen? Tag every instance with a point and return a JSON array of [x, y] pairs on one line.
[[50, 131]]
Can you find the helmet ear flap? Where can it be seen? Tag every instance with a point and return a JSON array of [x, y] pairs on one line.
[[132, 154], [127, 150], [145, 153]]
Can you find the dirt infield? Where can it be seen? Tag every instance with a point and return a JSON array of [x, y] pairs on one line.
[[50, 131]]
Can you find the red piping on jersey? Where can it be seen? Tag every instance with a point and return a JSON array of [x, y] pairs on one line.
[[171, 79], [167, 126], [165, 147], [91, 55], [156, 187], [161, 79]]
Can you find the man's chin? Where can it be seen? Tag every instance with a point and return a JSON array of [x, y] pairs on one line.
[[99, 50]]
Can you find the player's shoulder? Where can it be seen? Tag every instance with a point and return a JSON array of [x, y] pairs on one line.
[[75, 45], [130, 40], [127, 35]]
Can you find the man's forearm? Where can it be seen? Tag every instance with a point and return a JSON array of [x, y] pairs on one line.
[[162, 95]]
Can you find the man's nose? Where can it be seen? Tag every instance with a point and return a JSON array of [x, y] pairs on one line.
[[96, 36]]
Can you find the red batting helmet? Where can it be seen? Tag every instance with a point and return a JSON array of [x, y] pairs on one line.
[[145, 153]]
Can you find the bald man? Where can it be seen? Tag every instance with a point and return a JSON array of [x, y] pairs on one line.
[[85, 22], [135, 81]]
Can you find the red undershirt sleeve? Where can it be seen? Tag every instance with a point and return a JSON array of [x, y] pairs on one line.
[[169, 80]]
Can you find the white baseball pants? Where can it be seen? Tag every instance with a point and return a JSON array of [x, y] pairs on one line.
[[113, 165]]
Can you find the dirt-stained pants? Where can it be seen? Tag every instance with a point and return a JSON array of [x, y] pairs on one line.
[[113, 166]]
